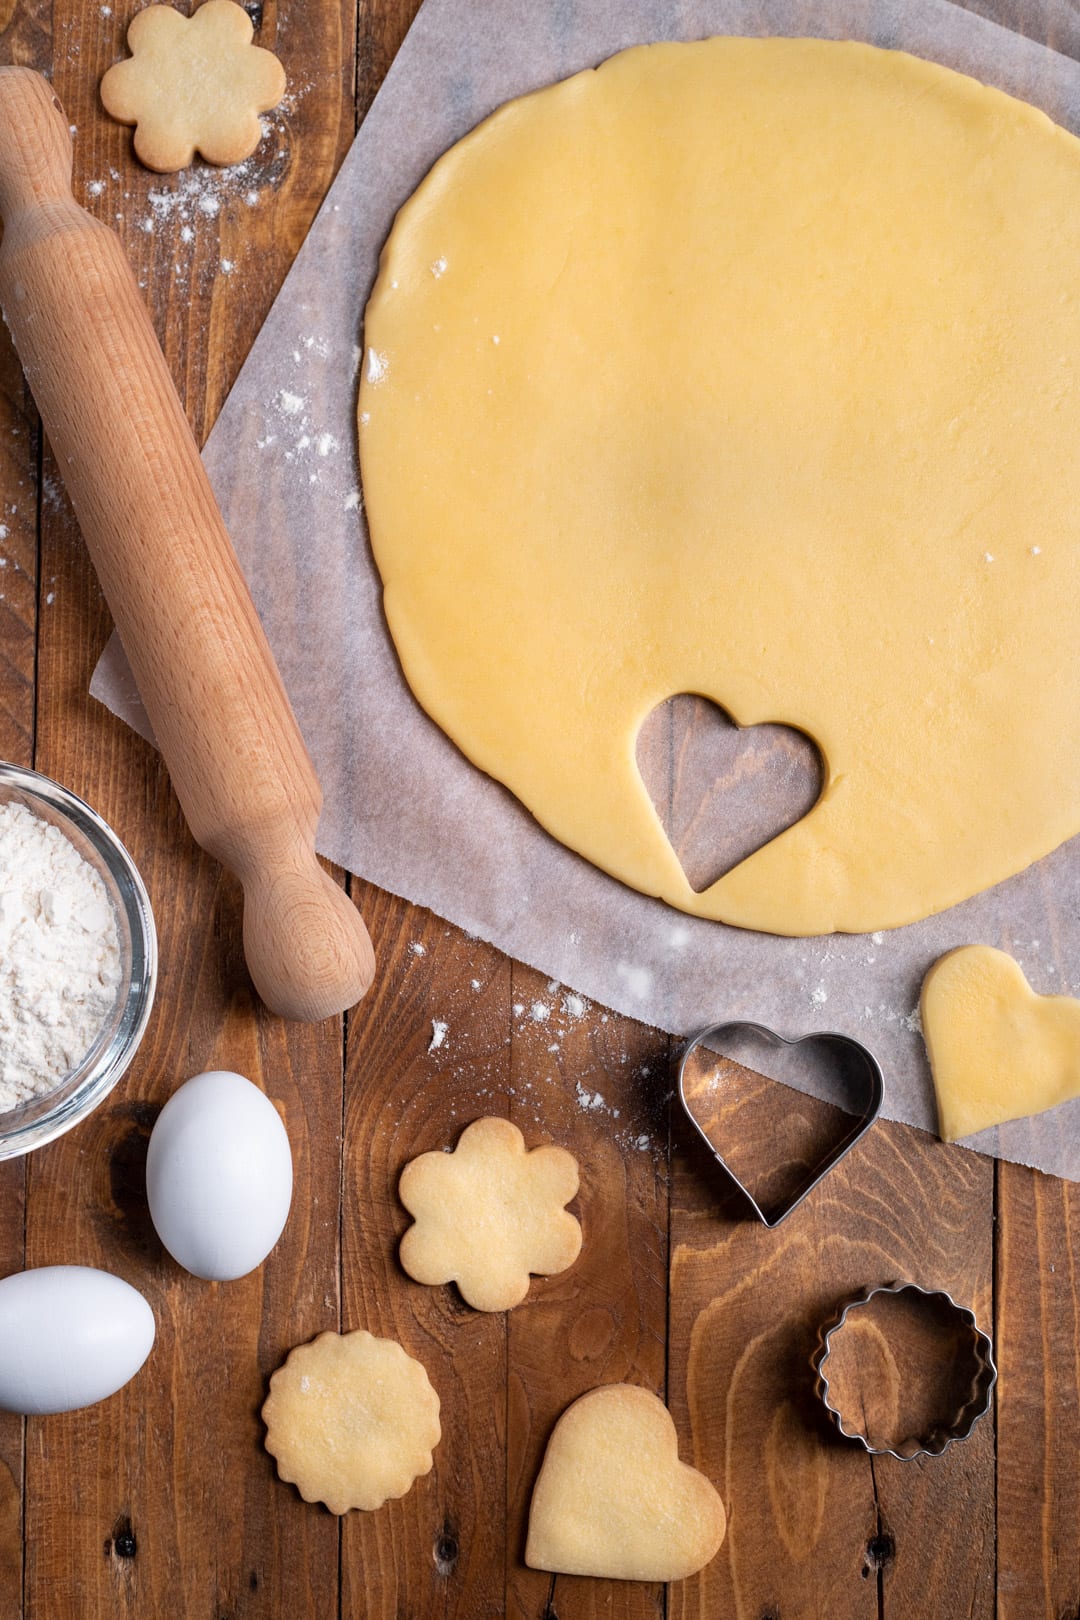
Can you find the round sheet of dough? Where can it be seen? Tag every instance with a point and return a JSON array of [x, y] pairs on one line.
[[747, 368]]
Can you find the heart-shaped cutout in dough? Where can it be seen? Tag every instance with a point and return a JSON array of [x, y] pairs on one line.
[[998, 1050], [721, 790], [614, 1500]]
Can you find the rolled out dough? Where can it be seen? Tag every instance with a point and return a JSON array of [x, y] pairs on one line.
[[747, 368], [998, 1051]]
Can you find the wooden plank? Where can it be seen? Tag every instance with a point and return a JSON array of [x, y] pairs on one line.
[[169, 1479], [24, 38], [428, 1052], [19, 450], [383, 26], [438, 1551], [19, 446], [596, 1084], [817, 1527], [1038, 1402]]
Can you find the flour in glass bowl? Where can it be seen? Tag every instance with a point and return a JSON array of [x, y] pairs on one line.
[[60, 964]]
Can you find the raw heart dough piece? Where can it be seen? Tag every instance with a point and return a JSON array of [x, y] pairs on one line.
[[614, 1500], [488, 1214], [351, 1420], [750, 368], [997, 1050], [193, 84]]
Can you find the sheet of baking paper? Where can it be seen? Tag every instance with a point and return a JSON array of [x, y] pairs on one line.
[[403, 807]]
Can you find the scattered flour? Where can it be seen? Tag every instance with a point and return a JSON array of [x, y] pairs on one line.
[[591, 1101], [913, 1021], [439, 1032], [59, 956], [541, 1031]]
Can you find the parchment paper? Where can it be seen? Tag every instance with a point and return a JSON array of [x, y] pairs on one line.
[[403, 807]]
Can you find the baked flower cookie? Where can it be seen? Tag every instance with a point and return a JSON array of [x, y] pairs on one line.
[[613, 1499], [351, 1420], [193, 84], [489, 1214]]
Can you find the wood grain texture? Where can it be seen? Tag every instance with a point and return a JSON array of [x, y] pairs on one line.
[[19, 446], [23, 37], [408, 1091], [596, 1085], [817, 1527], [1038, 1344], [162, 1503]]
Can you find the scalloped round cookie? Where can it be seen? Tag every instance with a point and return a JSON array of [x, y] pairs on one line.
[[351, 1420]]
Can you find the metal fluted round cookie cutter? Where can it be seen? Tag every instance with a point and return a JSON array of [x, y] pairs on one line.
[[869, 1076], [983, 1376]]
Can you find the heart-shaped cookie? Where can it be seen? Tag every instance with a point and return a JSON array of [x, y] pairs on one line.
[[613, 1499], [842, 1069], [998, 1051]]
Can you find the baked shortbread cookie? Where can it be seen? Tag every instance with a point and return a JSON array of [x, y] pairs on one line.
[[193, 84], [489, 1214]]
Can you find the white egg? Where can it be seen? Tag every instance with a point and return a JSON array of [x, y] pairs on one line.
[[219, 1175], [69, 1336]]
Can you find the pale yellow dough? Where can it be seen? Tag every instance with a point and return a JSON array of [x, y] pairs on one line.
[[489, 1214], [351, 1420], [748, 368], [997, 1050], [614, 1500]]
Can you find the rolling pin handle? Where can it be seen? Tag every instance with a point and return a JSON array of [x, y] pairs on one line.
[[307, 950], [36, 143]]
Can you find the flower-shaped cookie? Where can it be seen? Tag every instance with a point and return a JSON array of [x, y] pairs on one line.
[[193, 85], [351, 1420], [490, 1213]]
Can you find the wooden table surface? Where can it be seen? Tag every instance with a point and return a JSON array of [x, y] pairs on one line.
[[161, 1503]]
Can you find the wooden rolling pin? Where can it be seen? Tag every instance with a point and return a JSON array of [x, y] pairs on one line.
[[198, 652]]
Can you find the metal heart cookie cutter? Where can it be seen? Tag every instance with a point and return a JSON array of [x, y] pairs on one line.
[[862, 1072], [971, 1342]]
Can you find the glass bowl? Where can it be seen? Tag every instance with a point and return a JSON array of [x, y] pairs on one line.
[[30, 1124]]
